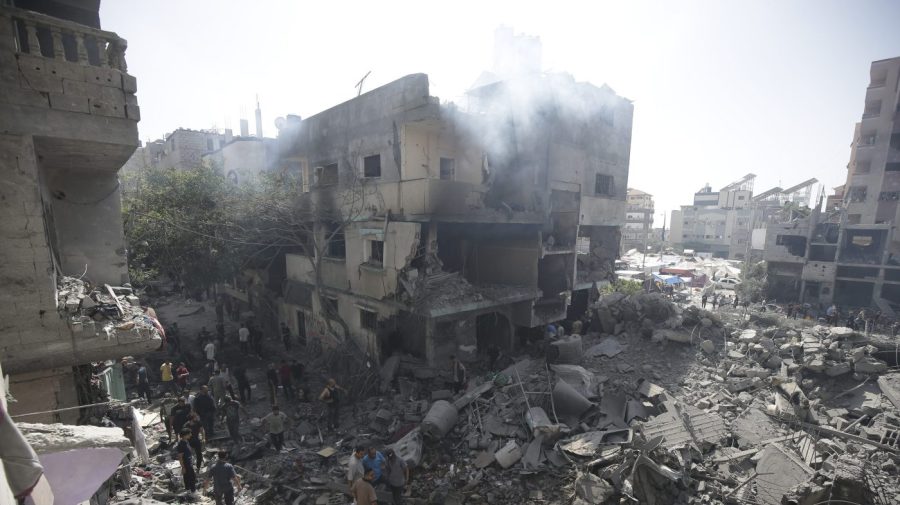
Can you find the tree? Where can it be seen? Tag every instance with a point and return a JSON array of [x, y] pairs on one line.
[[174, 226], [754, 284]]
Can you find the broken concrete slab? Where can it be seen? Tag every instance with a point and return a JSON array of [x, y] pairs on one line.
[[484, 459], [409, 448], [578, 377], [778, 471], [531, 460], [593, 489], [608, 347], [753, 426], [569, 402], [705, 428], [566, 350], [869, 364], [890, 386], [509, 454]]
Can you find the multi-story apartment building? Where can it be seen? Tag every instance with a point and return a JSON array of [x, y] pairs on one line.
[[847, 256], [637, 231], [463, 228], [68, 121], [718, 222]]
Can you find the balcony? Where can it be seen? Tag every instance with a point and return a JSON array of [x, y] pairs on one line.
[[66, 84]]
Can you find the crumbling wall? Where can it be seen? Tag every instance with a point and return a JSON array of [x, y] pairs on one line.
[[42, 391]]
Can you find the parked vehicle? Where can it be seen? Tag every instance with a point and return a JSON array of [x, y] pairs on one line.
[[727, 283]]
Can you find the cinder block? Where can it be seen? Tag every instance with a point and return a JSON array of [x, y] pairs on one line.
[[103, 76], [129, 83], [101, 108], [70, 103], [133, 112]]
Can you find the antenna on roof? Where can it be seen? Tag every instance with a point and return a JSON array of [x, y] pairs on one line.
[[359, 85]]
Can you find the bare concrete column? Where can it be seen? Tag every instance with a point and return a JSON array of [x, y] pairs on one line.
[[101, 51], [59, 52], [34, 45], [81, 49]]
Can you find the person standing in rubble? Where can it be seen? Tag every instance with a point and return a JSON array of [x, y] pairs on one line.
[[179, 415], [244, 338], [735, 302], [210, 351], [275, 424], [458, 372], [397, 474], [331, 397], [181, 376], [715, 301], [223, 475], [198, 436], [243, 383], [284, 376], [165, 407], [233, 409], [286, 336], [703, 301], [272, 381], [168, 379], [257, 337], [355, 468], [205, 407], [374, 461], [219, 385], [362, 490], [297, 372], [185, 458], [143, 383]]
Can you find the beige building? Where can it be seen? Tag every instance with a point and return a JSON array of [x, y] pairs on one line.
[[459, 234], [847, 255], [68, 117], [637, 231]]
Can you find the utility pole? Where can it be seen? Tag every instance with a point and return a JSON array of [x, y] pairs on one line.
[[359, 85]]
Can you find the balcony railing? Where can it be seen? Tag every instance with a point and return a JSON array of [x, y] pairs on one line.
[[48, 37]]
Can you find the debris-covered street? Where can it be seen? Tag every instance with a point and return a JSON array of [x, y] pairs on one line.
[[650, 401]]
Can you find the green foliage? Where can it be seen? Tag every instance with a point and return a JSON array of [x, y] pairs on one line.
[[175, 221], [623, 286], [754, 283]]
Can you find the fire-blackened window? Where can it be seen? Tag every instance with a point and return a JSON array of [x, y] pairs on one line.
[[603, 185], [448, 169], [368, 320], [376, 252], [337, 248], [328, 175], [372, 166]]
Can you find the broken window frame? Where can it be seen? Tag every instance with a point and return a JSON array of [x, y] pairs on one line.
[[604, 185], [331, 305], [375, 253], [447, 171], [372, 166], [368, 319], [336, 245], [327, 175]]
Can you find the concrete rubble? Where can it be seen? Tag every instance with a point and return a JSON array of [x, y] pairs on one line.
[[729, 407], [114, 313]]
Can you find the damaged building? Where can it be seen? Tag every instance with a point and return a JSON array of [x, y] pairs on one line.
[[847, 255], [68, 117], [463, 227]]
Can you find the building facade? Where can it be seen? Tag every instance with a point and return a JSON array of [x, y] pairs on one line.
[[68, 117], [846, 255], [637, 232], [460, 230], [718, 222]]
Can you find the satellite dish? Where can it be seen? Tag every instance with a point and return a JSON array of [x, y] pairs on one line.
[[279, 123]]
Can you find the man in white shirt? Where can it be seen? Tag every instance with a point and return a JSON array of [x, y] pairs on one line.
[[210, 350], [244, 338], [355, 470]]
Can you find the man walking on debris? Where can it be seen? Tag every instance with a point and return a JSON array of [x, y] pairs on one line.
[[274, 424], [143, 383], [355, 469], [243, 383], [210, 351], [179, 415], [233, 409], [223, 475], [198, 436], [272, 381], [165, 407], [286, 336], [284, 375], [459, 374], [397, 476], [362, 490], [331, 397], [374, 462], [715, 301], [185, 458], [219, 385], [181, 376], [703, 301], [244, 338], [168, 380], [205, 407]]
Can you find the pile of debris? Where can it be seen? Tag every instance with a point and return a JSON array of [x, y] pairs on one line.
[[114, 312]]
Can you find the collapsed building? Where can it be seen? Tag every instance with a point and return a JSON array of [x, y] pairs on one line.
[[457, 228], [68, 117], [847, 256]]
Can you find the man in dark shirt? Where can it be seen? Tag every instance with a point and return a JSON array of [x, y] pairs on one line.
[[222, 475], [197, 438], [233, 410], [397, 475], [297, 371], [286, 336], [185, 455], [272, 380], [143, 383], [205, 407], [179, 415], [240, 376]]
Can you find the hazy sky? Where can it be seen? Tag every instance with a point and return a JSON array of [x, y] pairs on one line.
[[720, 88]]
